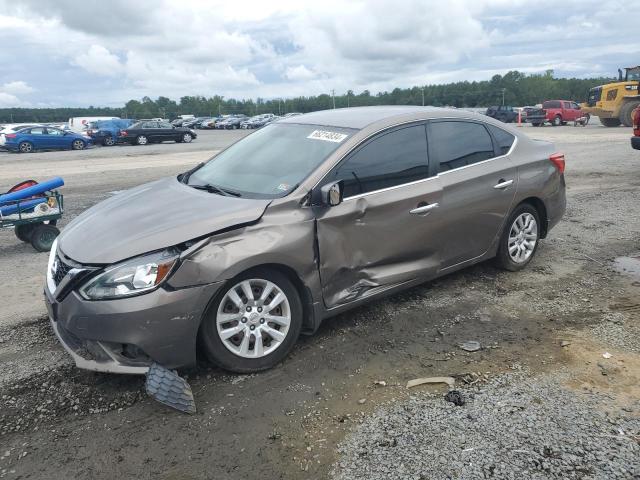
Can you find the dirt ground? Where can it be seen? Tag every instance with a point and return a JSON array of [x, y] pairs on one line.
[[572, 304]]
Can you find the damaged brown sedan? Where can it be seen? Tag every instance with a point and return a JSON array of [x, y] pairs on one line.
[[299, 221]]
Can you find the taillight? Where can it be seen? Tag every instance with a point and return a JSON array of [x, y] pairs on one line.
[[558, 160], [123, 133], [10, 135]]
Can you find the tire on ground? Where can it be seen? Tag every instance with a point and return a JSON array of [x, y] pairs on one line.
[[43, 236], [626, 112], [610, 122]]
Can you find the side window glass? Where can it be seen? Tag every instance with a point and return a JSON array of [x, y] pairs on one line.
[[53, 131], [165, 125], [390, 159], [503, 138], [457, 144], [37, 131]]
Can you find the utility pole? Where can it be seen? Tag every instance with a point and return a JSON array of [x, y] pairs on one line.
[[503, 90], [348, 99], [422, 89], [333, 94]]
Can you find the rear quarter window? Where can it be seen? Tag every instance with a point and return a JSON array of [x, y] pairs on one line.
[[503, 138], [456, 144]]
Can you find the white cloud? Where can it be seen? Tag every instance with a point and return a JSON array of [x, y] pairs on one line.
[[8, 100], [299, 73], [16, 88], [99, 61]]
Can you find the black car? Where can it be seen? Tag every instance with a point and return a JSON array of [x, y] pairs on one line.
[[503, 113], [142, 133]]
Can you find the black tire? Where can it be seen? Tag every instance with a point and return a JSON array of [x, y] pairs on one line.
[[536, 124], [24, 232], [25, 147], [503, 258], [626, 112], [78, 145], [217, 352], [557, 121], [610, 122], [108, 141], [43, 236], [186, 138], [142, 140]]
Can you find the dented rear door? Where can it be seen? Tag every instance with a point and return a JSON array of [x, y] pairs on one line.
[[385, 232]]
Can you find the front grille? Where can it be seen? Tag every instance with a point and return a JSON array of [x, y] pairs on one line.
[[61, 270]]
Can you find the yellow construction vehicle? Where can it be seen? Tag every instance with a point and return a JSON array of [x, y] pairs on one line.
[[614, 102]]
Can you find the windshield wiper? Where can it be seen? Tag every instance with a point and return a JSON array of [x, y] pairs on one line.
[[214, 189], [184, 177]]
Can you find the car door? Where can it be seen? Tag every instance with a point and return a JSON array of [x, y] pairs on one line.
[[57, 139], [167, 132], [568, 113], [577, 111], [151, 130], [38, 137], [385, 232], [478, 181]]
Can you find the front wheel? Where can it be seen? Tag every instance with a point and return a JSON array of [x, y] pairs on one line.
[[78, 145], [610, 122], [520, 238], [109, 141], [186, 138], [253, 323], [557, 121]]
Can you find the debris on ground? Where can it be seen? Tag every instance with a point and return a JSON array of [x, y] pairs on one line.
[[421, 381], [565, 343], [455, 397], [380, 383], [606, 355], [168, 388], [470, 346]]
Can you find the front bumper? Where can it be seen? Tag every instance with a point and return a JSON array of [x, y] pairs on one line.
[[635, 143], [126, 335]]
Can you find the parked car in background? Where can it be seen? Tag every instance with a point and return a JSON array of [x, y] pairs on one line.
[[536, 116], [559, 112], [258, 121], [291, 114], [503, 113], [202, 122], [193, 122], [107, 132], [225, 256], [142, 133], [635, 140], [231, 123], [45, 138], [209, 123], [13, 128]]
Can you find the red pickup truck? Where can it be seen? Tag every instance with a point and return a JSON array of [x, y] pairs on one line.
[[559, 112], [635, 140]]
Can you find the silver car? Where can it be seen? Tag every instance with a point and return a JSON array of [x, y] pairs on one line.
[[301, 220]]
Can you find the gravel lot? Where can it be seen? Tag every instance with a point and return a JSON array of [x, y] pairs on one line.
[[542, 401]]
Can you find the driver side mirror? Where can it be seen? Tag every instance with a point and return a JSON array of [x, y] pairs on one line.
[[331, 194]]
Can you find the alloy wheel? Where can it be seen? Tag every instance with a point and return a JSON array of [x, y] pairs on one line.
[[142, 140], [253, 318], [78, 144], [186, 138], [26, 147], [523, 237]]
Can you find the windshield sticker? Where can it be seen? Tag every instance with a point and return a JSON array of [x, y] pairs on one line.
[[284, 187], [327, 136]]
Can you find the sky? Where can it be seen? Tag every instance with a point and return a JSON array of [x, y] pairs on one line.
[[72, 53]]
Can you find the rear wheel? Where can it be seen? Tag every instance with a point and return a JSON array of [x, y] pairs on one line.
[[78, 145], [520, 238], [557, 121], [43, 236], [23, 232], [253, 323], [537, 124], [626, 113], [610, 122], [25, 147], [108, 141], [142, 140]]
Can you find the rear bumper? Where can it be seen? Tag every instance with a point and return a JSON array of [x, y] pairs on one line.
[[635, 143], [127, 335]]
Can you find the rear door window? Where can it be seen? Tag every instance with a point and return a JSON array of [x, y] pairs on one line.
[[388, 160], [503, 138], [455, 144], [37, 131], [551, 104]]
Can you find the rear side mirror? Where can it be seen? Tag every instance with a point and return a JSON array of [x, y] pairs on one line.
[[331, 193]]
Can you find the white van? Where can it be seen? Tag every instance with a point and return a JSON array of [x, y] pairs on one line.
[[80, 124]]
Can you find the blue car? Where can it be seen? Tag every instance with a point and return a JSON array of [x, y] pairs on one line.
[[44, 138], [107, 132]]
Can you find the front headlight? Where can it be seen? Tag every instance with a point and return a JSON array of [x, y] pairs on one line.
[[135, 276]]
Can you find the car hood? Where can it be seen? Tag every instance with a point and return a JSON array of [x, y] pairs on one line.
[[152, 217]]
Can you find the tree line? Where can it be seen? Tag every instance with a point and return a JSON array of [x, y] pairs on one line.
[[516, 88]]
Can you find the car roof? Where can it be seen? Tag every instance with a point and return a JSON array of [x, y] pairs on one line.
[[361, 117]]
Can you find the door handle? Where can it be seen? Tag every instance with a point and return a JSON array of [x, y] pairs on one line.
[[424, 209], [502, 184]]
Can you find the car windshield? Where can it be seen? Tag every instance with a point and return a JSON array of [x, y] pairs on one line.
[[271, 162]]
